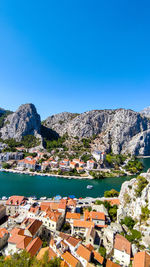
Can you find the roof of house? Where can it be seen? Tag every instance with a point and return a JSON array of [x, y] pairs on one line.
[[53, 216], [90, 247], [91, 161], [71, 202], [98, 257], [21, 241], [83, 224], [33, 226], [94, 215], [15, 231], [70, 215], [122, 244], [34, 246], [115, 201], [70, 259], [73, 163], [3, 231], [84, 252], [73, 241], [111, 264], [141, 259], [51, 253], [15, 200]]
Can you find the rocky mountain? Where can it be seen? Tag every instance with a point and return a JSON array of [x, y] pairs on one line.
[[135, 202], [120, 130], [146, 112], [23, 122]]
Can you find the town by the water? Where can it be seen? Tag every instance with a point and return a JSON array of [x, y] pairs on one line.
[[70, 231]]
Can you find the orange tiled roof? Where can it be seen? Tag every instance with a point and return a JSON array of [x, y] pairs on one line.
[[111, 264], [98, 257], [94, 215], [70, 215], [84, 252], [21, 241], [3, 231], [34, 226], [71, 202], [115, 201], [15, 200], [15, 231], [70, 259], [84, 224], [34, 246], [62, 206], [141, 259], [73, 241], [90, 247], [122, 244], [51, 253], [53, 216], [73, 163]]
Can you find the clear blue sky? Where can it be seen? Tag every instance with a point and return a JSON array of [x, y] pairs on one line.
[[76, 55]]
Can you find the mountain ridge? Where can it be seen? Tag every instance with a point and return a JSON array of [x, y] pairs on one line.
[[111, 130]]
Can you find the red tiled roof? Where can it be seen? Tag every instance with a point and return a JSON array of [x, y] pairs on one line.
[[70, 215], [111, 264], [84, 252], [84, 224], [15, 200], [34, 246], [33, 226], [98, 257], [122, 244], [70, 259], [141, 259]]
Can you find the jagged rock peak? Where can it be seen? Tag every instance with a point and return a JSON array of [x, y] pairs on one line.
[[146, 112], [23, 122]]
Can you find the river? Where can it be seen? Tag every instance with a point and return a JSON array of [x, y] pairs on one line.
[[22, 184]]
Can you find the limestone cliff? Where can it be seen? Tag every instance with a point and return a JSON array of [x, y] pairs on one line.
[[23, 122], [120, 130]]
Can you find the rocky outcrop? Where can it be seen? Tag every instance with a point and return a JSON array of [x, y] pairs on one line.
[[146, 112], [122, 131], [136, 206], [131, 204], [25, 121]]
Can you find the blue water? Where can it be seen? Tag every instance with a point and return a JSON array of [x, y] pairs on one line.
[[22, 184]]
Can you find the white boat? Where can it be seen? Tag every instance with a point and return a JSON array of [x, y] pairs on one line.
[[43, 198], [89, 186], [4, 198]]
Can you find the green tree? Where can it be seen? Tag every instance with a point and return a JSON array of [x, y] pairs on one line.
[[111, 193]]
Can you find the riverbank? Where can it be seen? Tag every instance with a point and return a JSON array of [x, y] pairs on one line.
[[46, 174]]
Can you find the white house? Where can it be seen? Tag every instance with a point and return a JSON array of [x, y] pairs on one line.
[[122, 250]]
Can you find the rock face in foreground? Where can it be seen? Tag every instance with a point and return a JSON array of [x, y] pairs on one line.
[[120, 130], [136, 205], [23, 122], [131, 202]]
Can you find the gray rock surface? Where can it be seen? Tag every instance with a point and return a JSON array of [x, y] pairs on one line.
[[122, 131], [23, 122], [146, 112]]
